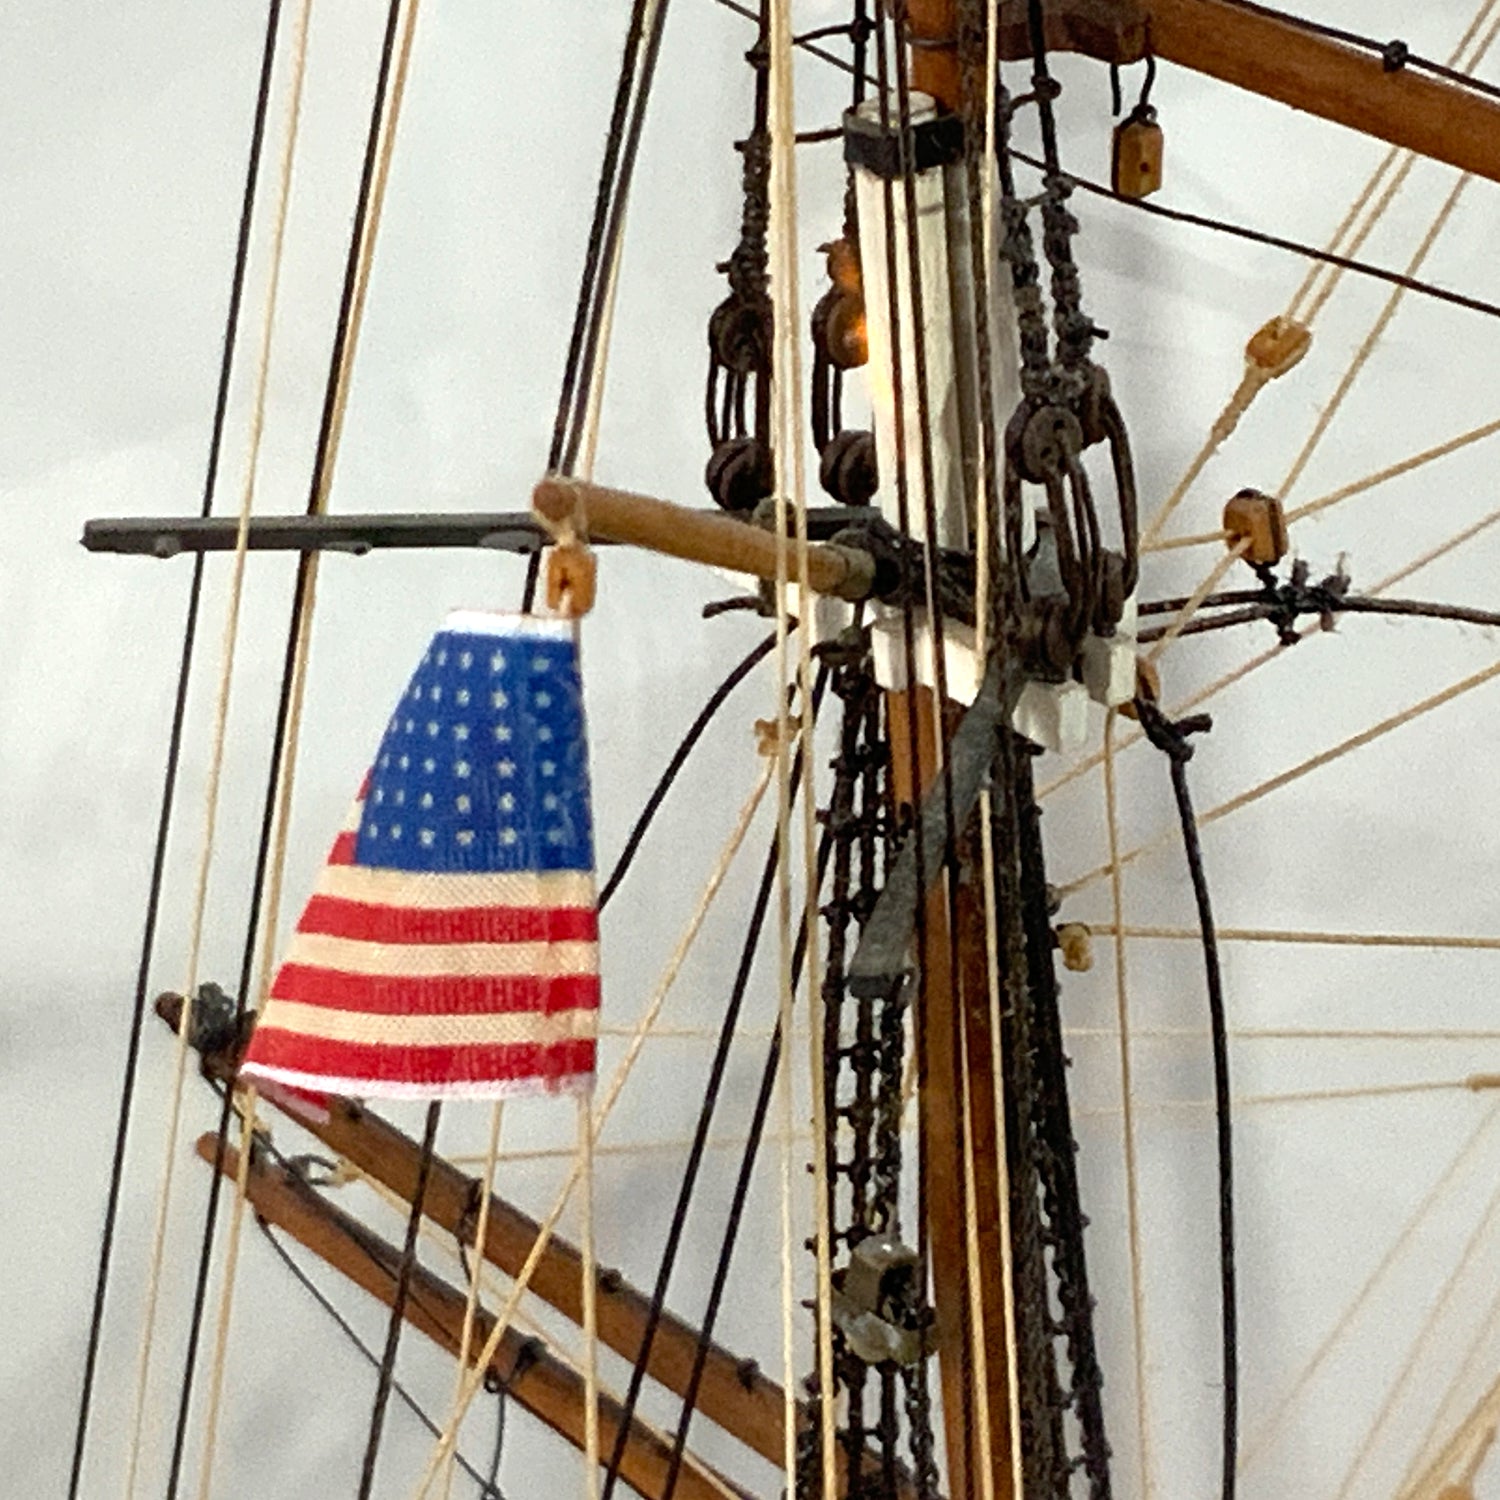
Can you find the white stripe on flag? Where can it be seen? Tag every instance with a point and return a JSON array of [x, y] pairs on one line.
[[496, 1029], [431, 891], [428, 960], [486, 622]]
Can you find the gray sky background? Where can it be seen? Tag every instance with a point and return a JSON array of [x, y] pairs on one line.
[[124, 128]]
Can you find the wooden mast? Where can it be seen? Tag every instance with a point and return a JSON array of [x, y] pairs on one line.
[[954, 1037]]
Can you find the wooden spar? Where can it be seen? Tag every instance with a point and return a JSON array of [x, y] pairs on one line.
[[1261, 53], [531, 1376], [732, 1392], [698, 535], [1280, 61]]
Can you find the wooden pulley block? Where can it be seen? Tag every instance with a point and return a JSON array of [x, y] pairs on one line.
[[570, 579], [839, 318], [1277, 345], [1259, 520], [1136, 160]]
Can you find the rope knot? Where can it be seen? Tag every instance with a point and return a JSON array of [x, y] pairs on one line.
[[1170, 736], [1394, 56], [1285, 602]]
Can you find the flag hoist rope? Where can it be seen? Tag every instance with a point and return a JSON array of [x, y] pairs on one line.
[[216, 753], [791, 496], [476, 1274], [983, 585]]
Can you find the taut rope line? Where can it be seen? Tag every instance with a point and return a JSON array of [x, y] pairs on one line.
[[307, 604], [1293, 773], [1127, 1095], [216, 753]]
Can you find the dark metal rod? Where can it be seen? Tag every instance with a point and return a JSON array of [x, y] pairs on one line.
[[505, 531]]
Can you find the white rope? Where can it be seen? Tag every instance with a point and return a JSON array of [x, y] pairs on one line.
[[1379, 1421], [1127, 1099], [1302, 768], [476, 1274], [590, 1292], [216, 753], [1258, 1443]]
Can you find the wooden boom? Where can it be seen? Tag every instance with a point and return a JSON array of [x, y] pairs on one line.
[[537, 1379], [732, 1392], [1268, 56]]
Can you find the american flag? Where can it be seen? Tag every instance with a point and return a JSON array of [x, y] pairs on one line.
[[451, 945]]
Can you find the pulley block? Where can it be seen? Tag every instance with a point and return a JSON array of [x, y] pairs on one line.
[[1259, 521], [838, 320], [740, 473], [1136, 158], [870, 1302], [739, 334], [848, 468]]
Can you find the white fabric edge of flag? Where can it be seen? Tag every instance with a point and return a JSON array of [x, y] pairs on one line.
[[493, 622], [363, 1088]]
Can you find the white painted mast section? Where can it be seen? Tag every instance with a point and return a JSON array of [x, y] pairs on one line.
[[1054, 715]]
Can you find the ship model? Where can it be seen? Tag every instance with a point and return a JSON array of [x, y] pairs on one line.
[[924, 505]]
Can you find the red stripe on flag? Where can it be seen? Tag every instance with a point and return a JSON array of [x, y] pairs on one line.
[[360, 920], [435, 995], [435, 1066], [342, 852]]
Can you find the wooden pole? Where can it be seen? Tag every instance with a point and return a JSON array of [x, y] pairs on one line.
[[704, 536], [1273, 58], [953, 1009], [531, 1376], [732, 1392], [1262, 53]]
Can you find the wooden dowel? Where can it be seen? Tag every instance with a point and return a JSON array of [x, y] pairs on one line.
[[531, 1375], [733, 1393], [696, 535]]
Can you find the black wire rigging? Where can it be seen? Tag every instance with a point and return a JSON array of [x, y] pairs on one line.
[[1172, 739]]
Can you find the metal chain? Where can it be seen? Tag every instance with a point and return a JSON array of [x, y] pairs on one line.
[[865, 1052]]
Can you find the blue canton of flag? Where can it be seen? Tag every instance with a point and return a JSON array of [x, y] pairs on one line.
[[483, 766]]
